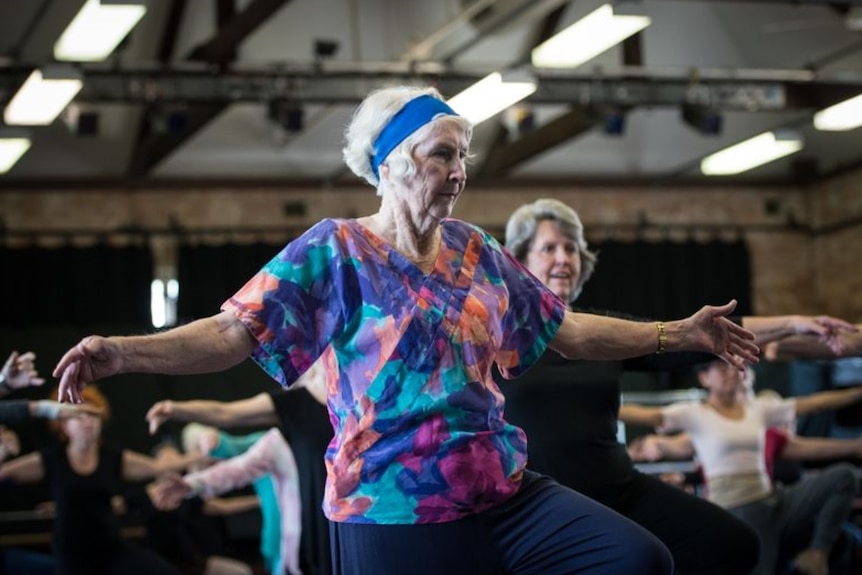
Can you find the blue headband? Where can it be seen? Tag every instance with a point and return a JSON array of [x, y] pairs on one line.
[[415, 114]]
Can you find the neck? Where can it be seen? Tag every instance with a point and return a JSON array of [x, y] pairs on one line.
[[81, 447], [417, 240], [409, 232], [726, 402]]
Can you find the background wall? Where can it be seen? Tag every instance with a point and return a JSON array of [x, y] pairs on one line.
[[803, 241]]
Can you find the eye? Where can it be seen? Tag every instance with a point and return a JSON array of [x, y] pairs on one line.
[[442, 153]]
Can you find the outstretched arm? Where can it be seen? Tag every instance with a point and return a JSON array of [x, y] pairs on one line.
[[826, 400], [207, 345], [588, 336], [269, 455], [815, 448], [25, 469], [654, 447], [813, 347], [634, 414], [828, 333], [140, 467], [254, 411]]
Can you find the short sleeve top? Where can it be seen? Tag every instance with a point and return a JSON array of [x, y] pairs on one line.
[[419, 429], [725, 446]]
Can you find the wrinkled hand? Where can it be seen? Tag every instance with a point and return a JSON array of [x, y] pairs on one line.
[[169, 491], [712, 332], [20, 372], [159, 414], [93, 358], [827, 328]]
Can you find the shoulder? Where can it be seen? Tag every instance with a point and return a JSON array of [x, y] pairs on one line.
[[690, 406], [453, 227], [326, 231]]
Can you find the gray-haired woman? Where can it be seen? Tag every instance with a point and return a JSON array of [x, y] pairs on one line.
[[569, 409], [424, 473]]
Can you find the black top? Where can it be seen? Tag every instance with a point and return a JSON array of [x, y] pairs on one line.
[[14, 411], [85, 522], [185, 536], [569, 410], [304, 422]]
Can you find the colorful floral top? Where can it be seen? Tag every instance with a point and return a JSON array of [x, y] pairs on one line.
[[420, 435]]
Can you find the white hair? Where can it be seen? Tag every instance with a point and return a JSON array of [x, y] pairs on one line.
[[369, 119]]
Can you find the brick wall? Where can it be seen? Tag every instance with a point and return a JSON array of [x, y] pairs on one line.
[[806, 244]]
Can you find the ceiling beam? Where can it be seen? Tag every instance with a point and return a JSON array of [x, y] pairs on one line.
[[173, 20], [151, 147], [500, 146], [221, 47], [194, 86], [565, 127]]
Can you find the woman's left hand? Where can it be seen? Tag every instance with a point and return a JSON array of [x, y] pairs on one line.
[[710, 331]]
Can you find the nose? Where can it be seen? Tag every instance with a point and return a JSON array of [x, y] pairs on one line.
[[458, 172], [561, 256]]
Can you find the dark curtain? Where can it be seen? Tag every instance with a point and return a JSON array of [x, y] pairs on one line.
[[209, 275], [668, 280], [76, 286]]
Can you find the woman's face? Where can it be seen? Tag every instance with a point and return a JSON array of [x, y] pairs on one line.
[[441, 172], [83, 428], [553, 257], [724, 381]]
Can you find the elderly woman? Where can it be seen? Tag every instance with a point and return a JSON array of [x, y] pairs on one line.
[[424, 474], [569, 409]]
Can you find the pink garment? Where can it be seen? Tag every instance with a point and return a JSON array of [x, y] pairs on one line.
[[269, 455]]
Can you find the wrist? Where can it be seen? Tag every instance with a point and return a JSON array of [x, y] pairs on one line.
[[4, 385], [47, 409], [661, 334]]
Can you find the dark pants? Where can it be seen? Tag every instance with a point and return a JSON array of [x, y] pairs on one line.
[[703, 538], [808, 514], [545, 529]]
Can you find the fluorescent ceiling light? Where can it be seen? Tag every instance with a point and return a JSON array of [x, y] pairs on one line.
[[587, 38], [844, 115], [751, 153], [489, 96], [13, 144], [97, 29], [42, 97]]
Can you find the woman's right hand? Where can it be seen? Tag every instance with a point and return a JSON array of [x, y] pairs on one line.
[[93, 358], [159, 414], [169, 491]]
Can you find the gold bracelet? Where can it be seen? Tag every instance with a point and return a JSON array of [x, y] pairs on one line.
[[662, 337]]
